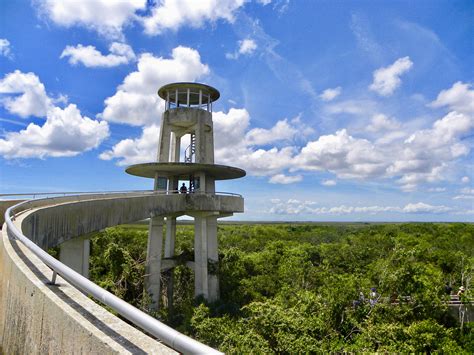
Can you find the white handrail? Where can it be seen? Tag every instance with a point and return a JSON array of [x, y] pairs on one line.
[[166, 192], [166, 334]]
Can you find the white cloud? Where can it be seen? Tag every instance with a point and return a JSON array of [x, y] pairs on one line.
[[134, 151], [426, 156], [295, 207], [5, 50], [380, 122], [329, 183], [282, 130], [246, 47], [421, 207], [136, 102], [234, 147], [285, 179], [458, 98], [465, 179], [466, 194], [330, 94], [89, 56], [106, 17], [343, 155], [172, 14], [65, 133], [387, 79], [437, 189], [353, 107], [32, 101]]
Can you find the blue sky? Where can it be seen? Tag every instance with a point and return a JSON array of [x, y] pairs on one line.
[[337, 110]]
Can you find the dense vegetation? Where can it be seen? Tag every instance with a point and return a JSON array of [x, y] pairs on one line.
[[299, 288]]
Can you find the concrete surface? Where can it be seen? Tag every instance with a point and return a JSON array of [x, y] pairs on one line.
[[36, 318], [52, 225]]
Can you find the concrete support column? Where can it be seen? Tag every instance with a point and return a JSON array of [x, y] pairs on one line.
[[169, 253], [213, 256], [201, 154], [177, 148], [164, 143], [75, 254], [209, 144], [201, 286], [153, 260]]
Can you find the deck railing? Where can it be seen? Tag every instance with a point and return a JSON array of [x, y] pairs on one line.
[[164, 333]]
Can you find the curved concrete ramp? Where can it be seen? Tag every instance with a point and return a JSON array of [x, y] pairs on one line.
[[37, 317], [65, 218]]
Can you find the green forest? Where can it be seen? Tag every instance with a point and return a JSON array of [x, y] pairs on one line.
[[310, 288]]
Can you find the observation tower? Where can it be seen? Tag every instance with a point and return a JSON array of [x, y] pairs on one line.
[[188, 111]]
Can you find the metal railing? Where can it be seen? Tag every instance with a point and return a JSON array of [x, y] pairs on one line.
[[166, 334], [138, 192]]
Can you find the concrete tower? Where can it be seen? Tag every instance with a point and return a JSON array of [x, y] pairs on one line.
[[188, 111]]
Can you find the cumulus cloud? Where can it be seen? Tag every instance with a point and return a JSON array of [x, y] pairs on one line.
[[465, 179], [246, 47], [330, 94], [425, 156], [285, 179], [134, 151], [25, 95], [387, 79], [282, 130], [136, 102], [460, 97], [329, 183], [295, 207], [171, 14], [236, 145], [5, 50], [380, 122], [343, 155], [65, 133], [89, 56], [106, 17]]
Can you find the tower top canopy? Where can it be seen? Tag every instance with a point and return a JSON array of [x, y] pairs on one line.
[[208, 93]]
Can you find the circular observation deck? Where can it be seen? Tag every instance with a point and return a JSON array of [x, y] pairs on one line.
[[184, 170], [194, 95]]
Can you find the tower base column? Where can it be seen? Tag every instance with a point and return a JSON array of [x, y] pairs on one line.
[[169, 253], [206, 257], [75, 254], [201, 287], [213, 257], [153, 261]]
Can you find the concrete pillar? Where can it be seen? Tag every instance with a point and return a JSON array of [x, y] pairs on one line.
[[169, 253], [209, 144], [75, 254], [177, 148], [213, 256], [153, 260], [201, 154], [201, 286], [164, 143]]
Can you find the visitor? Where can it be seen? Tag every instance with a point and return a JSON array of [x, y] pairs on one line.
[[373, 296], [183, 189]]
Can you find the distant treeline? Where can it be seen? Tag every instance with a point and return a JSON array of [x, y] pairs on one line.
[[310, 288]]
